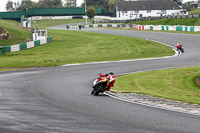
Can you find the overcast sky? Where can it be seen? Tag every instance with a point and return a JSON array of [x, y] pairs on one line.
[[3, 3], [79, 2]]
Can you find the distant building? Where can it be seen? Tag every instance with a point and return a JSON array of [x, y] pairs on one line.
[[146, 8], [194, 4]]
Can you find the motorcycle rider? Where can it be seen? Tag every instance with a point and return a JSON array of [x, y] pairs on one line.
[[110, 76], [178, 46]]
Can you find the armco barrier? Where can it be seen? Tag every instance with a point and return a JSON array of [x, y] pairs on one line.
[[23, 46], [149, 27], [49, 39], [168, 28], [7, 48], [95, 25], [43, 41], [100, 25], [36, 43], [30, 45], [191, 28], [104, 25], [186, 29], [196, 28], [15, 48], [109, 25]]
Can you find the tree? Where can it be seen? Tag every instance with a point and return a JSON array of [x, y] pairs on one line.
[[178, 2], [98, 3], [50, 3], [187, 6], [91, 12], [16, 4], [9, 6], [112, 4], [24, 5], [70, 3]]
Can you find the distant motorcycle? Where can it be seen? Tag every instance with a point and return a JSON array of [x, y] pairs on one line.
[[102, 83], [181, 49]]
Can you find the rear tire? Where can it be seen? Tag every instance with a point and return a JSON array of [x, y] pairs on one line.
[[182, 50]]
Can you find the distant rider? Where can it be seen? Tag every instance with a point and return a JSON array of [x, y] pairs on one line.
[[179, 46], [110, 76]]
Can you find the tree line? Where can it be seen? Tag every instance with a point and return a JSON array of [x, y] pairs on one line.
[[24, 4], [106, 5]]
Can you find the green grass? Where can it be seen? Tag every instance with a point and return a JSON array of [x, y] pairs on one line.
[[80, 47], [194, 12], [177, 84], [18, 34], [42, 24], [186, 21]]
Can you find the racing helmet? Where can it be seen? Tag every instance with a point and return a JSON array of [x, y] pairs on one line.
[[111, 73]]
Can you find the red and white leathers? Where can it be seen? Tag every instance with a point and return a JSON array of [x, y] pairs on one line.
[[111, 79], [179, 46]]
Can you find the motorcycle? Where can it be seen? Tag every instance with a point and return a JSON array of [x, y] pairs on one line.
[[181, 49], [101, 84]]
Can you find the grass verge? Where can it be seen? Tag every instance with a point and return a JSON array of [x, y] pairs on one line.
[[79, 47], [18, 34], [42, 24], [194, 12], [177, 84]]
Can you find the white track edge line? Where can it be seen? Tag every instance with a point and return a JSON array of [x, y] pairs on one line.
[[148, 105]]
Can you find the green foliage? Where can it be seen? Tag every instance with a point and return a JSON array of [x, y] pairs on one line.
[[79, 47], [91, 12], [187, 6], [195, 12], [50, 3], [177, 84], [10, 6], [70, 3], [98, 3], [112, 5], [24, 4], [186, 21], [178, 2], [18, 35]]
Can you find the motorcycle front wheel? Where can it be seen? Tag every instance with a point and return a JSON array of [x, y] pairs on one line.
[[98, 89]]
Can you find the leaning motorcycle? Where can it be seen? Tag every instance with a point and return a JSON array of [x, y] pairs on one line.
[[181, 49], [101, 84]]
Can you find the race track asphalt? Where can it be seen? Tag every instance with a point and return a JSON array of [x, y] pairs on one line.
[[58, 100]]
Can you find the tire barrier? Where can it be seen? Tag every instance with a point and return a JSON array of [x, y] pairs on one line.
[[168, 28], [147, 27], [106, 25], [74, 27], [23, 46]]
